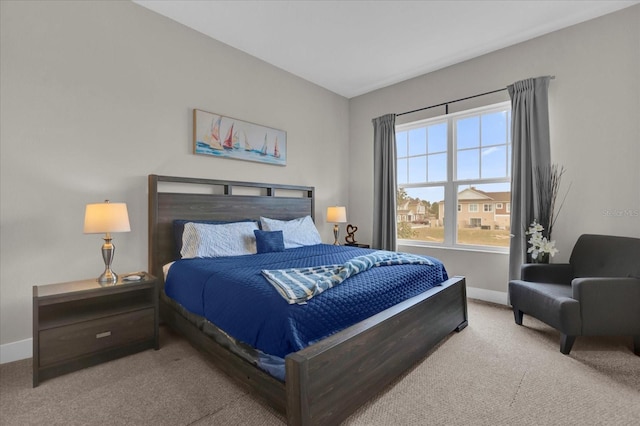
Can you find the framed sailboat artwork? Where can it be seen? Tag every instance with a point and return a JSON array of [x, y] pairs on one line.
[[227, 137]]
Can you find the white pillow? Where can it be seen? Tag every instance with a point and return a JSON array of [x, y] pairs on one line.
[[229, 239], [296, 233]]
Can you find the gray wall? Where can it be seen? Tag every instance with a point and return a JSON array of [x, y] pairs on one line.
[[96, 96], [595, 131]]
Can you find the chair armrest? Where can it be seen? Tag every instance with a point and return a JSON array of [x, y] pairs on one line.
[[608, 305], [555, 273]]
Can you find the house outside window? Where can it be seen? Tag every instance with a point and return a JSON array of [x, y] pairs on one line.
[[450, 166]]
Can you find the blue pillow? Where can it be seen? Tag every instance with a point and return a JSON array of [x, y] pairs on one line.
[[268, 242]]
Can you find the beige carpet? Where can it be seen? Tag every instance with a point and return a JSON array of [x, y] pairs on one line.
[[492, 373]]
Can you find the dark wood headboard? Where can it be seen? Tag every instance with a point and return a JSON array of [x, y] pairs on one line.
[[173, 198]]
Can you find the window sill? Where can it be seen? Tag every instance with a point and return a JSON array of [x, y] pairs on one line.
[[474, 249]]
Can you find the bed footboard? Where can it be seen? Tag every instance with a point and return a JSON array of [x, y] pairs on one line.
[[328, 381]]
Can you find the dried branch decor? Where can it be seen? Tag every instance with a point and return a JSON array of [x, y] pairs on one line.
[[548, 186]]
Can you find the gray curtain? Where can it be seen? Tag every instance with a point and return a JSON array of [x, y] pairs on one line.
[[530, 139], [384, 186]]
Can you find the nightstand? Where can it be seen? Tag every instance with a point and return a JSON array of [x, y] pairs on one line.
[[357, 245], [83, 323]]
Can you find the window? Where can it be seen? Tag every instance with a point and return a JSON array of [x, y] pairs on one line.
[[450, 168]]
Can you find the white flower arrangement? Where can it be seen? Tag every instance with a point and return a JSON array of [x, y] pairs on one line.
[[540, 245]]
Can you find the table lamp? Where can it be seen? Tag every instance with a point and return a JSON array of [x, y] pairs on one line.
[[336, 215], [106, 218]]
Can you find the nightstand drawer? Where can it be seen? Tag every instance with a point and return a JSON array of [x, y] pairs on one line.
[[75, 340]]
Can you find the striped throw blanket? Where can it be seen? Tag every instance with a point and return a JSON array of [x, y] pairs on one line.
[[297, 285]]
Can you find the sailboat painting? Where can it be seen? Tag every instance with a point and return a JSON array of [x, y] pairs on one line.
[[226, 137]]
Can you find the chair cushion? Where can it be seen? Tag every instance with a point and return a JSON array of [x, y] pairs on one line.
[[550, 303]]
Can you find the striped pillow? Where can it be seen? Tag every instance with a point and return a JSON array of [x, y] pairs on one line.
[[205, 240]]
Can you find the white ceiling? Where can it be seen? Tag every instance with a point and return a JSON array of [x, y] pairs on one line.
[[354, 47]]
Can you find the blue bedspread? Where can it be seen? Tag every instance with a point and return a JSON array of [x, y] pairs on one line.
[[298, 285], [232, 294]]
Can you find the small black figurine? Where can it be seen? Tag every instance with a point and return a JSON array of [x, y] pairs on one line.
[[351, 231]]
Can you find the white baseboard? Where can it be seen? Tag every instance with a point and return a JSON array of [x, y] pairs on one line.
[[16, 351], [23, 349], [493, 296]]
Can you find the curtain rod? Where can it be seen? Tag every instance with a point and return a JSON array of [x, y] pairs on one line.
[[446, 104]]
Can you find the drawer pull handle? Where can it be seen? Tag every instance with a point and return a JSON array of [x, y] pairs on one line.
[[101, 335]]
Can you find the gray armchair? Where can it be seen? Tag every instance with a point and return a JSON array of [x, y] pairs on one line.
[[597, 293]]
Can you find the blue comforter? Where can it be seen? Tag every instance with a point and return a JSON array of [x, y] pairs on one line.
[[298, 285], [232, 294]]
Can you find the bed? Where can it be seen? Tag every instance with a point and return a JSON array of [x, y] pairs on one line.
[[328, 380]]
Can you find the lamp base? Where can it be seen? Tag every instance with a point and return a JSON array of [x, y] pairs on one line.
[[108, 277], [336, 231], [108, 250]]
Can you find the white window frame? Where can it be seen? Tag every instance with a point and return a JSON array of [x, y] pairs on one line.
[[451, 186], [487, 208], [473, 208]]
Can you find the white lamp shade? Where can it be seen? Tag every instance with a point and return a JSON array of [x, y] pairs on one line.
[[106, 217], [336, 214]]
